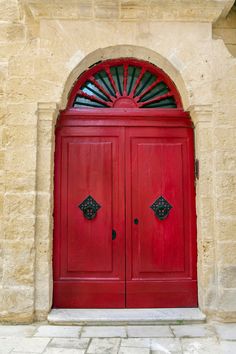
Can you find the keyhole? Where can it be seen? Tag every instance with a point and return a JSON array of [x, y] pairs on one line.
[[136, 221]]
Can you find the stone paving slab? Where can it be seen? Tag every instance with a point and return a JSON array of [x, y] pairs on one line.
[[81, 343], [103, 331], [195, 330], [149, 331], [104, 345], [136, 342], [200, 346], [228, 347], [58, 331], [126, 350], [226, 331], [29, 345], [17, 331], [166, 345]]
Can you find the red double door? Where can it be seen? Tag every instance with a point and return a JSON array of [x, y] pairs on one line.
[[124, 217]]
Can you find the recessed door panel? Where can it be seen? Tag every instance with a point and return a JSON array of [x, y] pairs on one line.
[[90, 174]]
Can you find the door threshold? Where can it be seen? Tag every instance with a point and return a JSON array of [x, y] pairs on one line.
[[114, 317]]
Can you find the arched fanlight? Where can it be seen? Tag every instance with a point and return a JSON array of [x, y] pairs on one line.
[[124, 83]]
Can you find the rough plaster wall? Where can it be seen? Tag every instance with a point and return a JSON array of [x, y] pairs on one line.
[[36, 58], [226, 29]]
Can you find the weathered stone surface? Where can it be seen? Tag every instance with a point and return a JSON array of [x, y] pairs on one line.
[[58, 331], [104, 345], [227, 276], [149, 331], [44, 47], [103, 331]]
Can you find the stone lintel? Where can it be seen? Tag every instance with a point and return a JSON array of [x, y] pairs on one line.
[[161, 10]]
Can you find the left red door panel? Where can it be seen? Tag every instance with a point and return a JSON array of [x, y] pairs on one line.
[[89, 264]]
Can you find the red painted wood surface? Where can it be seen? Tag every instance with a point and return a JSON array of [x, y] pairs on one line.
[[161, 254], [89, 161], [125, 161]]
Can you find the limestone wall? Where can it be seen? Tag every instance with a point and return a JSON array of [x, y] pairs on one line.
[[225, 28], [44, 46]]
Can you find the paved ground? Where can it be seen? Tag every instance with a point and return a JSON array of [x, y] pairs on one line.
[[188, 339]]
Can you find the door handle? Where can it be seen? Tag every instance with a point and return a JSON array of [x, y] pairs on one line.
[[113, 234]]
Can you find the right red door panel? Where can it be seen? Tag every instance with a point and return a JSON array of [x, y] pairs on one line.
[[161, 251]]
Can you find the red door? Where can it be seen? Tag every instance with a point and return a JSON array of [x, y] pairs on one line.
[[160, 218], [124, 215], [89, 211]]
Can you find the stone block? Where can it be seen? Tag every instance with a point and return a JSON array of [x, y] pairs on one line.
[[2, 159], [225, 207], [22, 159], [13, 32], [165, 345], [225, 138], [226, 331], [194, 330], [18, 267], [58, 331], [228, 347], [106, 11], [136, 342], [19, 204], [45, 160], [130, 350], [225, 229], [227, 34], [17, 331], [22, 114], [104, 345], [20, 182], [9, 11], [44, 204], [200, 345], [130, 12], [19, 228], [19, 136], [227, 276], [44, 181], [22, 65], [225, 161], [46, 134], [149, 331], [226, 252], [18, 304], [69, 343], [103, 331], [225, 183], [31, 345]]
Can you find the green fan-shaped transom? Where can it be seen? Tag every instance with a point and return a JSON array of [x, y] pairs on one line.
[[124, 84]]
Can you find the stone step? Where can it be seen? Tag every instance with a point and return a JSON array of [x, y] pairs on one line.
[[125, 316]]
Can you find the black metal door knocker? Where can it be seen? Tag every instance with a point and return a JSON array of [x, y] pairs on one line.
[[89, 207], [161, 208]]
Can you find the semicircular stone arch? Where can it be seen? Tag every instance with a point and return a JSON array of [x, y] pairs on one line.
[[124, 83]]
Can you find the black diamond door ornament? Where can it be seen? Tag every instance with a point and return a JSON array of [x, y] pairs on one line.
[[89, 207], [161, 208]]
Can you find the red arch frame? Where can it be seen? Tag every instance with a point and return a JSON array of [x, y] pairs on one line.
[[161, 75]]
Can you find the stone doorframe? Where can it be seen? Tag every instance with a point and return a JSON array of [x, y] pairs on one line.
[[48, 112]]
